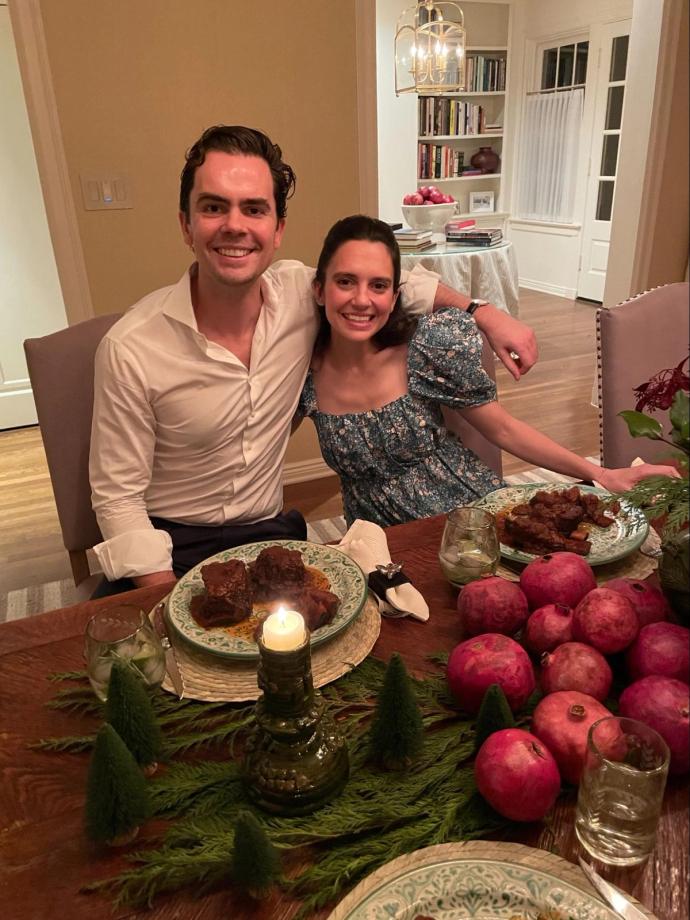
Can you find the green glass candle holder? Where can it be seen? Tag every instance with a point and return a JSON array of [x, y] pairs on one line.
[[295, 758]]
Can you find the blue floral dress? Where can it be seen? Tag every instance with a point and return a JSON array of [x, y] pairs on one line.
[[399, 462]]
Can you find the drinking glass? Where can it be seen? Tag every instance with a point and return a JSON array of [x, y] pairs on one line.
[[621, 791], [469, 547], [124, 634]]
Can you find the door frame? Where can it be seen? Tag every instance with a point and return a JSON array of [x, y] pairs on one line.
[[32, 54]]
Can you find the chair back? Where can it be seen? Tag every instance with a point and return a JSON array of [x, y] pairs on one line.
[[635, 340], [61, 368], [470, 437]]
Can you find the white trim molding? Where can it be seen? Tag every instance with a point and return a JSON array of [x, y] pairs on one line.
[[546, 288], [32, 55], [305, 470], [367, 141]]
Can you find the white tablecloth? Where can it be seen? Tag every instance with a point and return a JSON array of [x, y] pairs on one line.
[[485, 274]]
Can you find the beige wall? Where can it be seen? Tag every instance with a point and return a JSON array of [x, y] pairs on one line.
[[136, 81]]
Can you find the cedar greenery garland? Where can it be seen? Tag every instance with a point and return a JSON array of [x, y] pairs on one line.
[[379, 815], [128, 709], [116, 797], [397, 733], [255, 861], [494, 714]]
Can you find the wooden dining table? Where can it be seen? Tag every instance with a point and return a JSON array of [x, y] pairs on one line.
[[45, 857]]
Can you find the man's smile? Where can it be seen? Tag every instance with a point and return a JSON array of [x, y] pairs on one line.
[[234, 252]]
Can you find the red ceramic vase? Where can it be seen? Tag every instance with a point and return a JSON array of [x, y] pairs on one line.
[[486, 159]]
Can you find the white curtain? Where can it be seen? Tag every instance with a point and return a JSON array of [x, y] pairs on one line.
[[548, 155]]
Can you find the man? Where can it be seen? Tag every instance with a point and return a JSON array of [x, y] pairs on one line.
[[196, 385]]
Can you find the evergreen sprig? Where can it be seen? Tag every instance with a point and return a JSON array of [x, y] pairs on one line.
[[378, 816]]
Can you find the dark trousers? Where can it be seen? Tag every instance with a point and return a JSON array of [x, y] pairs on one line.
[[193, 543]]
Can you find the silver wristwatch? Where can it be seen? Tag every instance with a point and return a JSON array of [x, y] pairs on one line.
[[474, 305]]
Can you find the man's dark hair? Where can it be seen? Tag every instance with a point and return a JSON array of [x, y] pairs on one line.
[[247, 141], [400, 327]]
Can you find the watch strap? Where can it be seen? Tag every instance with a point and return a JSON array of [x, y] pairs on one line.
[[474, 305]]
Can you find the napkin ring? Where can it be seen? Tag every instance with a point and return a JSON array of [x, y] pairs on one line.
[[390, 570], [385, 577]]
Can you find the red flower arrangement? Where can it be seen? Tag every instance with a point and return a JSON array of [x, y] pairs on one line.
[[658, 392]]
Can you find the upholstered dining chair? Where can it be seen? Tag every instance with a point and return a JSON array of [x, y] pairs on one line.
[[485, 450], [635, 340], [61, 369]]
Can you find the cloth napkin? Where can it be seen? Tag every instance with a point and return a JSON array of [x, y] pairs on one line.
[[366, 544]]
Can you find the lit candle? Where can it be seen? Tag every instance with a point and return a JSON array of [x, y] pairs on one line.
[[283, 630]]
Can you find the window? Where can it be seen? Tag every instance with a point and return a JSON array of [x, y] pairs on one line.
[[564, 66], [612, 127]]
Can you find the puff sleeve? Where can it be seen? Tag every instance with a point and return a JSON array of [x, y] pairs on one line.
[[445, 361]]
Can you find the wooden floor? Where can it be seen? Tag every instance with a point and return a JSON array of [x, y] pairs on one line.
[[554, 397]]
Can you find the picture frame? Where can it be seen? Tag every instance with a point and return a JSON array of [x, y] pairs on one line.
[[481, 202]]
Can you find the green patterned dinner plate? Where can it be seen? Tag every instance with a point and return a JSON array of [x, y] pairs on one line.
[[482, 880], [624, 536], [346, 579]]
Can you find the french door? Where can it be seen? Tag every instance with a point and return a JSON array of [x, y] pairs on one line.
[[603, 160]]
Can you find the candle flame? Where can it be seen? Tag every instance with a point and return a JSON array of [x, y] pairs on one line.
[[281, 613]]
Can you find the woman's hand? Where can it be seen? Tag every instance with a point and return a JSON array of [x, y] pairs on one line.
[[514, 343], [621, 480]]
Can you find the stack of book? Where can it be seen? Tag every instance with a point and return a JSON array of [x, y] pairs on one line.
[[474, 236], [414, 239]]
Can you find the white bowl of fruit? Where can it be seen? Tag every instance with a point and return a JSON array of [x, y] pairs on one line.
[[428, 209]]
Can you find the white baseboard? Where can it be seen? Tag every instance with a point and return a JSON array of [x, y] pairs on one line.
[[546, 288], [304, 470]]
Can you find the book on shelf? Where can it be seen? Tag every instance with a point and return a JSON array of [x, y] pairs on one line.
[[476, 244], [408, 234], [476, 233], [458, 223], [478, 238], [416, 246], [394, 225]]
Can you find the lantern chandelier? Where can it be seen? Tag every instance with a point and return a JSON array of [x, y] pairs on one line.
[[430, 49]]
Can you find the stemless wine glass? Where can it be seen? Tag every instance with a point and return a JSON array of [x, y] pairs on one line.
[[621, 790], [124, 634], [469, 547]]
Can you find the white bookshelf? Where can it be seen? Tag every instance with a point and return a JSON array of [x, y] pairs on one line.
[[487, 32]]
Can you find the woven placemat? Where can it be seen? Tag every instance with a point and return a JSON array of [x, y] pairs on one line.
[[638, 565], [215, 679]]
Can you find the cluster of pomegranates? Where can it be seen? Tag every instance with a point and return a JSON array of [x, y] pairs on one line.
[[571, 628], [428, 194]]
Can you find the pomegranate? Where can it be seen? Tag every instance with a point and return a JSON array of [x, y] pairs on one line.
[[574, 666], [517, 775], [662, 649], [606, 620], [664, 704], [490, 659], [492, 605], [561, 720], [549, 627], [557, 578], [648, 601]]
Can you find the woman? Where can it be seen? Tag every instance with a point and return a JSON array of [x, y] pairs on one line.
[[377, 383]]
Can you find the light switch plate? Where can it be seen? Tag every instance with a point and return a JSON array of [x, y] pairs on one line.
[[105, 193]]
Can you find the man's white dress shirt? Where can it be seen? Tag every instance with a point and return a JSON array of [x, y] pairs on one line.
[[182, 430]]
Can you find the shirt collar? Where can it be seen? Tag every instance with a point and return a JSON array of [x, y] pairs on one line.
[[178, 304]]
